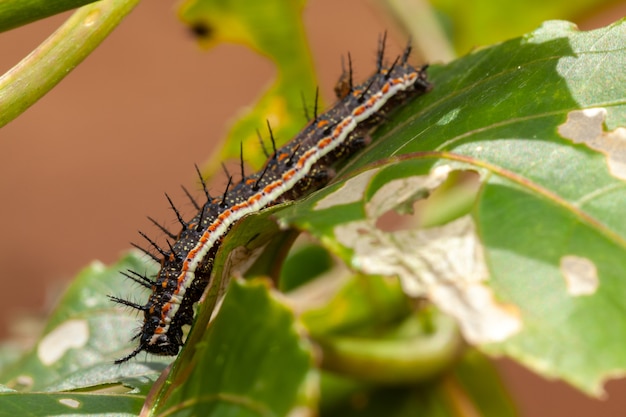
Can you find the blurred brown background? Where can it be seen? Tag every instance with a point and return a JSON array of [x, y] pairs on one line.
[[74, 182]]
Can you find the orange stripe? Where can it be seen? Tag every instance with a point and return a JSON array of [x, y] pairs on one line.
[[229, 215]]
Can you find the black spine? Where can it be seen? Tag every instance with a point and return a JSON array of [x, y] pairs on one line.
[[162, 228], [190, 197], [203, 183], [178, 216], [147, 252]]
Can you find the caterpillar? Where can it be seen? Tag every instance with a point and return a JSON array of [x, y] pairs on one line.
[[302, 165]]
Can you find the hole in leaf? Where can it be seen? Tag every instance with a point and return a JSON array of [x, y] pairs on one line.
[[201, 30], [453, 199]]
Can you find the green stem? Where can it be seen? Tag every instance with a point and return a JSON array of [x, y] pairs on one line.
[[398, 359], [14, 13], [46, 66]]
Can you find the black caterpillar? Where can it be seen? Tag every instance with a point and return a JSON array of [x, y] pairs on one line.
[[292, 171]]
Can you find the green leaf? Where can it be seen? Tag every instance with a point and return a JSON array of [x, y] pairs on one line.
[[533, 269], [69, 404], [84, 335], [468, 20], [536, 270], [302, 265], [478, 380], [251, 361], [275, 30]]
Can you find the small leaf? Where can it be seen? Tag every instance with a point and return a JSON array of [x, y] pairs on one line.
[[275, 30], [251, 361], [303, 265], [469, 20], [478, 380]]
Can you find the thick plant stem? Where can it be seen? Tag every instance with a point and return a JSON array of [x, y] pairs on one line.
[[398, 359], [14, 13], [44, 67]]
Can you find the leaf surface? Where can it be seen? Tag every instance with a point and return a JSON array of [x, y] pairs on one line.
[[538, 263]]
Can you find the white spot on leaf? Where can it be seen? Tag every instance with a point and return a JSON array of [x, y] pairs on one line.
[[444, 263], [351, 192], [25, 380], [585, 126], [70, 334], [449, 117], [581, 275], [70, 402]]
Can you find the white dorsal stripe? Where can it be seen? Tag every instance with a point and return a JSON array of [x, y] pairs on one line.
[[262, 198]]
